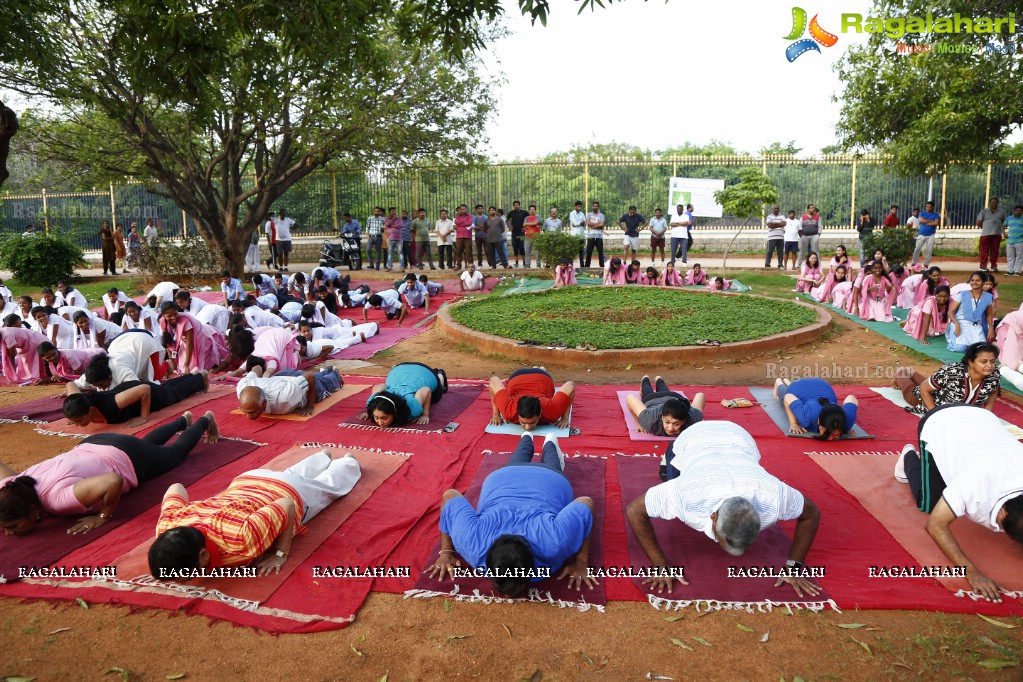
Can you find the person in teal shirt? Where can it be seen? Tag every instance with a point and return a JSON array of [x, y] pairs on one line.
[[1014, 241]]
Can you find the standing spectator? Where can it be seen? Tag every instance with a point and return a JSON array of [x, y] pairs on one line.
[[120, 253], [516, 219], [252, 253], [809, 233], [479, 223], [270, 230], [892, 219], [577, 228], [792, 225], [392, 232], [990, 221], [595, 234], [1014, 245], [133, 243], [632, 223], [553, 225], [928, 226], [497, 247], [445, 230], [463, 236], [350, 227], [775, 236], [408, 250], [283, 225], [680, 235], [691, 226], [374, 238], [866, 227], [658, 231], [150, 233], [106, 236], [530, 230], [421, 232]]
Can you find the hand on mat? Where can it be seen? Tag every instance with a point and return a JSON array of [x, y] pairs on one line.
[[445, 565], [270, 563], [796, 428], [984, 586], [136, 422], [563, 422], [801, 585], [663, 583], [578, 575], [86, 524], [496, 421], [363, 416], [304, 411]]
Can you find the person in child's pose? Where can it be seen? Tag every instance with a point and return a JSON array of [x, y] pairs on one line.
[[697, 276], [614, 272], [930, 318], [650, 277], [633, 272], [671, 277], [876, 295], [811, 275], [564, 273]]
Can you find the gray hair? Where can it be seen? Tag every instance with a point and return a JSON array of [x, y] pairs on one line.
[[739, 523]]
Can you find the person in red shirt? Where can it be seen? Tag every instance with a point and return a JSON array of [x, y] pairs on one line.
[[529, 399], [463, 236], [892, 219]]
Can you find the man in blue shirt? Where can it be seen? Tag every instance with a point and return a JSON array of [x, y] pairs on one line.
[[526, 524], [925, 234], [415, 293], [479, 225]]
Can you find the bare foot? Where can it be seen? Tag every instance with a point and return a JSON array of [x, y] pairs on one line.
[[188, 418], [205, 380], [213, 430]]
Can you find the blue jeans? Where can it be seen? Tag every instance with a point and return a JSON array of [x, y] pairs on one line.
[[523, 456], [395, 253], [326, 382]]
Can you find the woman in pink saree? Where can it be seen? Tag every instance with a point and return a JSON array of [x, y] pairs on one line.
[[20, 349], [193, 344]]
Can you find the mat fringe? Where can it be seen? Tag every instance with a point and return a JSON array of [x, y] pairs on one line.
[[23, 420], [476, 597], [341, 446], [44, 432], [877, 453], [766, 606], [370, 427], [976, 597]]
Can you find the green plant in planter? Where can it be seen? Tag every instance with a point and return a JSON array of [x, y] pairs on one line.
[[555, 245], [897, 244]]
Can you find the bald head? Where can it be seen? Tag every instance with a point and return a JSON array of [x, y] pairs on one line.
[[252, 402]]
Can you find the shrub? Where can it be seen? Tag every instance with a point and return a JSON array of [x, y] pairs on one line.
[[555, 245], [897, 244], [41, 259], [180, 260]]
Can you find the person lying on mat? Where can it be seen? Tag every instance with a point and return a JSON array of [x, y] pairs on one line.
[[664, 412], [717, 486], [973, 381], [133, 401], [406, 395], [529, 399], [132, 356], [91, 477], [290, 390], [811, 404], [525, 525], [966, 465], [253, 520]]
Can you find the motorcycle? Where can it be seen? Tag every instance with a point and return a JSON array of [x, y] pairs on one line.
[[345, 251]]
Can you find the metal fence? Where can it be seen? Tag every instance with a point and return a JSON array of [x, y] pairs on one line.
[[839, 186]]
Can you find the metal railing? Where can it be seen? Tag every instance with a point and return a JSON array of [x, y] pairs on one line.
[[840, 186]]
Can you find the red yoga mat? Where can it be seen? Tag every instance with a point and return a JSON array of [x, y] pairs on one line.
[[452, 404]]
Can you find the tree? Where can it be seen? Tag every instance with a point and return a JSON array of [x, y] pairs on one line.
[[781, 149], [929, 110], [746, 199]]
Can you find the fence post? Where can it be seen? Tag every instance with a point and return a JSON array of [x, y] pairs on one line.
[[944, 185], [500, 201], [674, 169], [763, 211], [987, 188], [586, 183], [415, 188], [184, 225], [46, 213], [333, 191], [113, 208], [852, 199]]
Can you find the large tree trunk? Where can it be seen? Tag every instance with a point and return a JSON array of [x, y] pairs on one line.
[[8, 127]]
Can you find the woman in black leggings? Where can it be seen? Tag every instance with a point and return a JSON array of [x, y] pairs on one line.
[[91, 477], [132, 401]]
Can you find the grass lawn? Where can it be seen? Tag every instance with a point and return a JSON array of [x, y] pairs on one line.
[[630, 317]]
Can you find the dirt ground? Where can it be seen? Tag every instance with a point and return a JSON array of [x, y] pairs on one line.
[[394, 639]]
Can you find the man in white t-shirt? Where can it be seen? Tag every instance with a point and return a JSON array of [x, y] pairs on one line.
[[967, 465], [150, 234], [577, 228], [658, 232], [717, 486], [775, 236], [290, 390], [792, 225], [471, 279], [595, 234], [680, 235], [283, 225], [389, 301]]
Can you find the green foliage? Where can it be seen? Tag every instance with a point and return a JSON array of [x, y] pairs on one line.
[[897, 244], [554, 245], [630, 317], [180, 261], [748, 197], [40, 259], [781, 149]]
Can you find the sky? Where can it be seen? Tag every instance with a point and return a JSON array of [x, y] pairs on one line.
[[658, 74]]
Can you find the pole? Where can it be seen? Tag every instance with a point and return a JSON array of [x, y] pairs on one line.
[[333, 190], [987, 187], [944, 185], [586, 184], [113, 208], [184, 225], [46, 213], [852, 199]]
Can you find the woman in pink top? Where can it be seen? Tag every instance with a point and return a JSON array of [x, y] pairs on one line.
[[696, 277], [20, 348], [930, 318], [876, 295], [564, 274], [825, 292], [66, 365], [196, 345], [634, 273], [91, 477], [907, 292], [670, 277], [720, 284], [931, 282], [614, 272], [1009, 336], [811, 275], [277, 347], [841, 258], [650, 278]]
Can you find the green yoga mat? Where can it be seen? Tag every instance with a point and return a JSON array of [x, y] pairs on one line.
[[936, 348]]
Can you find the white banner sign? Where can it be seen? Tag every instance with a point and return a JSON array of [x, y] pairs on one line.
[[696, 191]]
